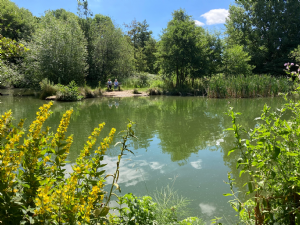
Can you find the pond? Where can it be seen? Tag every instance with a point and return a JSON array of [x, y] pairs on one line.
[[181, 142]]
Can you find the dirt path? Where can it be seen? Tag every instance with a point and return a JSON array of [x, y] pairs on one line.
[[127, 93]]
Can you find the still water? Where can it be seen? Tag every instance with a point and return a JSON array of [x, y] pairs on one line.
[[181, 142]]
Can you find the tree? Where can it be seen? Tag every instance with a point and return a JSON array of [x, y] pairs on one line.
[[149, 51], [214, 56], [143, 43], [268, 30], [182, 50], [16, 23], [57, 52], [111, 54], [236, 61]]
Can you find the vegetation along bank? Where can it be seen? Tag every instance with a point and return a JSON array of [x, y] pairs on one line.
[[62, 47]]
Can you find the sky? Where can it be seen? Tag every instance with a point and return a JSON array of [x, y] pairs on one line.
[[209, 14]]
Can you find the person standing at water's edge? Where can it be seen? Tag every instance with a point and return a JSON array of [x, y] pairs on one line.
[[109, 84], [116, 84]]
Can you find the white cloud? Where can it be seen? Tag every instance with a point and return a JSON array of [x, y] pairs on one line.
[[198, 23], [197, 164], [207, 209], [216, 16]]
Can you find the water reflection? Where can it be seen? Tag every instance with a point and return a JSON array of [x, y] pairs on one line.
[[177, 136], [207, 209]]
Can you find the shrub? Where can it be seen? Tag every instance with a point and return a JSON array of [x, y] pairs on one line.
[[10, 75], [34, 185], [68, 93], [269, 157], [137, 211], [166, 208]]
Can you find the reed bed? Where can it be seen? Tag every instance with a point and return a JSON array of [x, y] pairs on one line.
[[247, 86]]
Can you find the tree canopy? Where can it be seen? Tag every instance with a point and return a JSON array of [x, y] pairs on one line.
[[16, 23], [182, 50], [267, 30], [57, 51]]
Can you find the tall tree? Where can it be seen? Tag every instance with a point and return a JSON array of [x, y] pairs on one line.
[[143, 43], [182, 50], [268, 30], [16, 23], [111, 54], [57, 52]]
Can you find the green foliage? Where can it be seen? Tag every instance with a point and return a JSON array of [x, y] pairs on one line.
[[171, 207], [47, 89], [246, 86], [166, 208], [183, 49], [57, 52], [269, 157], [236, 61], [34, 187], [110, 55], [140, 80], [295, 54], [10, 49], [10, 75], [268, 30], [88, 92], [144, 46], [16, 23], [137, 211], [68, 93]]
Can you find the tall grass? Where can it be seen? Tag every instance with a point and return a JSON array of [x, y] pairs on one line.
[[88, 92], [47, 88], [141, 80], [246, 86]]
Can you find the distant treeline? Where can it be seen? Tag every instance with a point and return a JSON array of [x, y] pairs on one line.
[[61, 46]]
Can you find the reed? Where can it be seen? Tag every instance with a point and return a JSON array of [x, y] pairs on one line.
[[247, 86]]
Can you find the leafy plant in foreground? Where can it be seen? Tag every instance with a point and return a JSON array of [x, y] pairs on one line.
[[34, 184], [269, 156]]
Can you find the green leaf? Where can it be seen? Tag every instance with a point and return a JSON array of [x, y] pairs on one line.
[[228, 194], [250, 187], [292, 154], [276, 152], [102, 211], [231, 151], [61, 152]]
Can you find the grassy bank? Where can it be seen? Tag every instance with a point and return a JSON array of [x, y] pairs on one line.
[[69, 92], [217, 86], [247, 86]]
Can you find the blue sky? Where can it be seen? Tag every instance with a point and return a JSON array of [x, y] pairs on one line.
[[207, 13]]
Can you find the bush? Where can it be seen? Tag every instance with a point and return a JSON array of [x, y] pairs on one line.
[[269, 157], [10, 75], [166, 208], [34, 185], [68, 93]]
